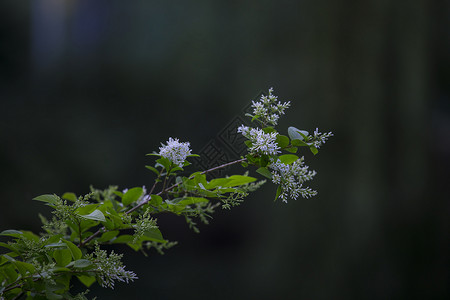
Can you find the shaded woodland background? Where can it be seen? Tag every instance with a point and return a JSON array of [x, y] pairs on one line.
[[87, 88]]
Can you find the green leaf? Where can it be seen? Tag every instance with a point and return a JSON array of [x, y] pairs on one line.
[[62, 269], [288, 159], [82, 263], [52, 199], [264, 160], [248, 143], [12, 232], [135, 246], [282, 141], [62, 257], [9, 258], [74, 250], [291, 149], [264, 171], [251, 159], [217, 182], [54, 239], [154, 234], [69, 196], [86, 280], [24, 268], [86, 209], [132, 195], [96, 215], [155, 170], [236, 180], [298, 143], [107, 236], [313, 150], [50, 295], [56, 245], [200, 178], [269, 129], [86, 224], [278, 193], [10, 272], [123, 239], [164, 162], [297, 134], [192, 200], [153, 154], [30, 236], [156, 200]]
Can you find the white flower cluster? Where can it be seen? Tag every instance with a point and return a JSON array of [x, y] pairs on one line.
[[318, 139], [175, 151], [269, 109], [107, 278], [291, 178], [261, 142], [109, 268]]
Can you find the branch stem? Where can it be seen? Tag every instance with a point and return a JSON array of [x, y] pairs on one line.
[[82, 243]]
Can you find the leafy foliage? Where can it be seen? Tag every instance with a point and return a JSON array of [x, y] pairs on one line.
[[69, 246]]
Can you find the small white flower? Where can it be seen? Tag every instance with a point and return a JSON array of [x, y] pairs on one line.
[[175, 151], [261, 142], [268, 110], [291, 178], [319, 138]]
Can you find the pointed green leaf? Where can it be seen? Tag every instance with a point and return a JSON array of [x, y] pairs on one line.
[[264, 171], [86, 280], [56, 245], [153, 169], [269, 129], [74, 250], [10, 272], [86, 209], [288, 159], [52, 199], [236, 180], [109, 235], [24, 268], [82, 263], [62, 257], [313, 150], [154, 234], [11, 232], [9, 247], [164, 162], [282, 141], [96, 215], [132, 195], [298, 143], [292, 149], [192, 200], [153, 154], [69, 196], [156, 200], [278, 193], [297, 134], [123, 239]]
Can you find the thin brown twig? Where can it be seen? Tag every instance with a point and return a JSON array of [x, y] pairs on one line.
[[82, 243]]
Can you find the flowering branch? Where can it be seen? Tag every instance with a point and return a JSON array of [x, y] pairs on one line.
[[43, 266]]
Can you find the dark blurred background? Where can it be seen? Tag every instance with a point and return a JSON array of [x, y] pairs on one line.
[[87, 88]]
